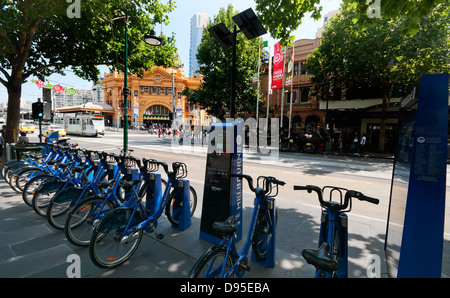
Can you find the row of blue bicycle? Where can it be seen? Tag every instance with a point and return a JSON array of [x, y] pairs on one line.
[[102, 200], [107, 201]]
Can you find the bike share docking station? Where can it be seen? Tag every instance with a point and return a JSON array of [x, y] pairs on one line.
[[415, 231], [154, 196], [222, 195]]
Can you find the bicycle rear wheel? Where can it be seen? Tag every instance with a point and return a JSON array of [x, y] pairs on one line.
[[210, 265], [174, 205], [61, 203], [79, 224], [32, 185], [107, 247]]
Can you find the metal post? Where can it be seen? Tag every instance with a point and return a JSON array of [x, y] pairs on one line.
[[125, 90], [233, 75]]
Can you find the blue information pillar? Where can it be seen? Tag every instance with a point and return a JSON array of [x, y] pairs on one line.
[[415, 232], [222, 195]]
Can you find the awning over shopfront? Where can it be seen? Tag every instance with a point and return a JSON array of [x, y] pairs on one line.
[[98, 107]]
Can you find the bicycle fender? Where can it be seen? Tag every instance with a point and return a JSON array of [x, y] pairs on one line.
[[118, 218], [50, 186], [68, 194], [22, 169]]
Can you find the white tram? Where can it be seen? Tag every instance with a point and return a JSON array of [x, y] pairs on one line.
[[81, 124]]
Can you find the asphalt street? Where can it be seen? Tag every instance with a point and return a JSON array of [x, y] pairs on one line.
[[29, 247]]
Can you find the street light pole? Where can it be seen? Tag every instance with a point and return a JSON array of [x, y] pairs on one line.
[[125, 92], [151, 40]]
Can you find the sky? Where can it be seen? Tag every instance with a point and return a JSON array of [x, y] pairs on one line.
[[180, 20]]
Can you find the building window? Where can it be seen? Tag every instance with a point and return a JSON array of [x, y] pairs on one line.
[[294, 97], [295, 69], [304, 95], [302, 69]]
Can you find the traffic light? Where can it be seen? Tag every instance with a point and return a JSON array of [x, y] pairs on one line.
[[38, 110]]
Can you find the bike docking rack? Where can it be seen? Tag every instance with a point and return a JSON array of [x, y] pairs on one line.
[[181, 207], [269, 196]]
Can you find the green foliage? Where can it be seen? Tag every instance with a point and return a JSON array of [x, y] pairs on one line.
[[215, 65], [382, 55], [380, 59], [42, 37], [283, 17], [55, 41]]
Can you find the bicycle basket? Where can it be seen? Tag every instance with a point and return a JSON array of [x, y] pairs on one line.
[[180, 169]]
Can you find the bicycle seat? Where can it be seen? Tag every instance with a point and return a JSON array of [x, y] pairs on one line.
[[80, 168], [226, 227], [65, 165], [128, 184], [320, 258], [105, 184]]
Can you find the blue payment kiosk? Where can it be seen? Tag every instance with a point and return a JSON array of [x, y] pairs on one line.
[[222, 195], [415, 231]]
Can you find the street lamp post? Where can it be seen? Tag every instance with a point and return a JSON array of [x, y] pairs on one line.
[[149, 39], [250, 25]]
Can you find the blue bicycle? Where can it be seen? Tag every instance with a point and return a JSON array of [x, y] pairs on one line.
[[223, 260], [119, 232], [330, 259], [61, 203], [80, 220]]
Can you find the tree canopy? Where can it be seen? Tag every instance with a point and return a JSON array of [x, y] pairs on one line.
[[43, 37], [380, 59], [283, 17], [213, 95]]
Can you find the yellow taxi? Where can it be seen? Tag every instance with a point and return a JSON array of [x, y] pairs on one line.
[[48, 129], [26, 127]]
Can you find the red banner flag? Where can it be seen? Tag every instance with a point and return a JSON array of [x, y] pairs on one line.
[[278, 63]]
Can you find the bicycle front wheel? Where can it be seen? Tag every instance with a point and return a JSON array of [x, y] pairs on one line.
[[108, 246], [211, 264], [174, 205], [79, 224], [263, 234]]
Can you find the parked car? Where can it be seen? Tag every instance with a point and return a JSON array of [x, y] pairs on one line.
[[26, 127], [48, 129]]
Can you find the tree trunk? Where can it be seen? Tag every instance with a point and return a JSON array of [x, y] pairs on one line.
[[13, 116]]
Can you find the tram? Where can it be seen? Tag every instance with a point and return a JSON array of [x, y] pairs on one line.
[[81, 124]]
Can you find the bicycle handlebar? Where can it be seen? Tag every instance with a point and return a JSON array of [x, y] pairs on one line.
[[348, 195], [267, 179]]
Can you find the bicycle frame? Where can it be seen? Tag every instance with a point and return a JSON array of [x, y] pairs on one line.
[[151, 221], [241, 260], [334, 225]]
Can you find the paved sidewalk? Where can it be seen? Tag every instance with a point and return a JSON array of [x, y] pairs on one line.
[[30, 247]]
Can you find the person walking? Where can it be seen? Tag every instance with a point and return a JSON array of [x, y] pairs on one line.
[[362, 144]]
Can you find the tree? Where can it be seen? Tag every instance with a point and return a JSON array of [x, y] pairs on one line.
[[283, 17], [379, 58], [43, 37], [213, 95]]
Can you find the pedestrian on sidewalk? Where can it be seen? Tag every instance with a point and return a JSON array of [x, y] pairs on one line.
[[362, 145]]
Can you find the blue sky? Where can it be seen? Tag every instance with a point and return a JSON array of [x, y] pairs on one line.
[[180, 25]]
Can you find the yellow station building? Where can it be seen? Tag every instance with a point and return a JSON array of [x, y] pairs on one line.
[[154, 97]]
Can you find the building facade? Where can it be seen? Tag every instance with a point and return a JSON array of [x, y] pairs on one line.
[[154, 97], [198, 23], [304, 114]]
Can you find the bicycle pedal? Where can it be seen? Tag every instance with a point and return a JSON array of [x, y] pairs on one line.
[[159, 236], [244, 267]]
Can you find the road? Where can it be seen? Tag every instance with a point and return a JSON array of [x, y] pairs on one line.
[[298, 213]]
